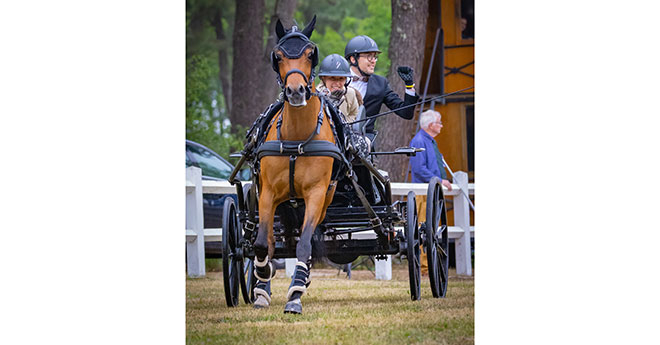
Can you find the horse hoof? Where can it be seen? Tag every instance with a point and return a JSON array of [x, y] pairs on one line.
[[293, 307], [261, 303]]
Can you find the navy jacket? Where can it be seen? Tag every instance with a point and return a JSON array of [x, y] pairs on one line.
[[425, 165], [378, 93]]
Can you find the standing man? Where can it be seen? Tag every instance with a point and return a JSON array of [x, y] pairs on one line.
[[427, 164], [362, 53]]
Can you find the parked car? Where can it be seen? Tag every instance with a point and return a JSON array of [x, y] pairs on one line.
[[214, 167]]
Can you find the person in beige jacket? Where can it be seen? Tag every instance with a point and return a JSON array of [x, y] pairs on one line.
[[335, 77]]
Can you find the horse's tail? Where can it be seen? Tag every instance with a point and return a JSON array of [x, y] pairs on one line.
[[319, 251]]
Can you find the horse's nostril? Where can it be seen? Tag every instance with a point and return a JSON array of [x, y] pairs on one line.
[[301, 89], [288, 91]]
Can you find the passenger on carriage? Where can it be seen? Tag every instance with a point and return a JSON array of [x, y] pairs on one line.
[[335, 74], [362, 54]]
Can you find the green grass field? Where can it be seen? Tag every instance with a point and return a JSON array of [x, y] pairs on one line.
[[335, 311]]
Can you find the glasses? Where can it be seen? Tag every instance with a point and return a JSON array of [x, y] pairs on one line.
[[439, 123], [370, 57]]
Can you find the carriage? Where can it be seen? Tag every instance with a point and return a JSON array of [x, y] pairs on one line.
[[358, 215], [397, 231]]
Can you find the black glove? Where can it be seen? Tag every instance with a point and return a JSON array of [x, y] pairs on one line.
[[407, 75]]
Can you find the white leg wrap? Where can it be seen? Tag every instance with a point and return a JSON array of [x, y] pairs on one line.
[[262, 293], [260, 263], [294, 289], [303, 265], [267, 279]]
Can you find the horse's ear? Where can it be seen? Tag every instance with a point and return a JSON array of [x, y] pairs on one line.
[[279, 29], [307, 31]]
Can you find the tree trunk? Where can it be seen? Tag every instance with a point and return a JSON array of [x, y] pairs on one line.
[[283, 11], [406, 49], [247, 81], [223, 61]]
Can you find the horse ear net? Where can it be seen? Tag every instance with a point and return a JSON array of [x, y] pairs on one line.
[[279, 29], [307, 31]]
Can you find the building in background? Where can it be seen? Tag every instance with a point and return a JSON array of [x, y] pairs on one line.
[[452, 70]]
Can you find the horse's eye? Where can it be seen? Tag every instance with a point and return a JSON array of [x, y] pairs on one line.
[[309, 56]]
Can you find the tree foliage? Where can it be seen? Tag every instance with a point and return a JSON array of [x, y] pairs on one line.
[[204, 122], [340, 20], [207, 111]]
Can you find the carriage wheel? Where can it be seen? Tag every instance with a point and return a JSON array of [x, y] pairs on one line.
[[250, 281], [247, 290], [232, 254], [437, 241], [413, 241]]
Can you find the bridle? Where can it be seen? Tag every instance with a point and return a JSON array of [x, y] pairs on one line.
[[294, 52]]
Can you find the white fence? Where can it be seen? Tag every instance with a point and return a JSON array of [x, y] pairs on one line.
[[196, 235]]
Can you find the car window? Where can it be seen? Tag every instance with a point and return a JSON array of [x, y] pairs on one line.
[[210, 164], [189, 162]]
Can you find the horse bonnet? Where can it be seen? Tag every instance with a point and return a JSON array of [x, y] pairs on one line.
[[293, 45]]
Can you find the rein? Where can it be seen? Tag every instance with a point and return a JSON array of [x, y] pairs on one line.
[[410, 105]]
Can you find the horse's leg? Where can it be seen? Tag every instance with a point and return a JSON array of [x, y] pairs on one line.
[[264, 249], [314, 202], [328, 198]]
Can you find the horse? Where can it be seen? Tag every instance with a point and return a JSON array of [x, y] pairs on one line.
[[290, 175]]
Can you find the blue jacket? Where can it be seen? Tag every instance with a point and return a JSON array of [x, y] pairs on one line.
[[425, 165]]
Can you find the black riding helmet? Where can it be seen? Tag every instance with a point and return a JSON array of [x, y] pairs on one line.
[[334, 65], [357, 45]]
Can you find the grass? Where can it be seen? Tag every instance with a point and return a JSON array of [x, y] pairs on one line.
[[335, 311]]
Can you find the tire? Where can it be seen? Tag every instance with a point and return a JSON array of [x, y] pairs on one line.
[[247, 289], [436, 239], [413, 253], [250, 281], [232, 253]]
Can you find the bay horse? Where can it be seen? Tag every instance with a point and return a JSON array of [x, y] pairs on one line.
[[301, 169]]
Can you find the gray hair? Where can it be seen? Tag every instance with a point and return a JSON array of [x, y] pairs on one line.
[[428, 117]]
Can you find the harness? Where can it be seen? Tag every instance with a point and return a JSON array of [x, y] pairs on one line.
[[309, 147]]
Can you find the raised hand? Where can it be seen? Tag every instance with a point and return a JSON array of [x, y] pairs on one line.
[[407, 74]]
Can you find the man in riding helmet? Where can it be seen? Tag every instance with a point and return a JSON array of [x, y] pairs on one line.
[[362, 54], [335, 76]]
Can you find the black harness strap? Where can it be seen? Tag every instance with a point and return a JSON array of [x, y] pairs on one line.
[[319, 122], [290, 148], [293, 149], [295, 70], [309, 147], [292, 170]]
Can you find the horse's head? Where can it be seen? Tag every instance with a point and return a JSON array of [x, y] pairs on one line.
[[294, 59]]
